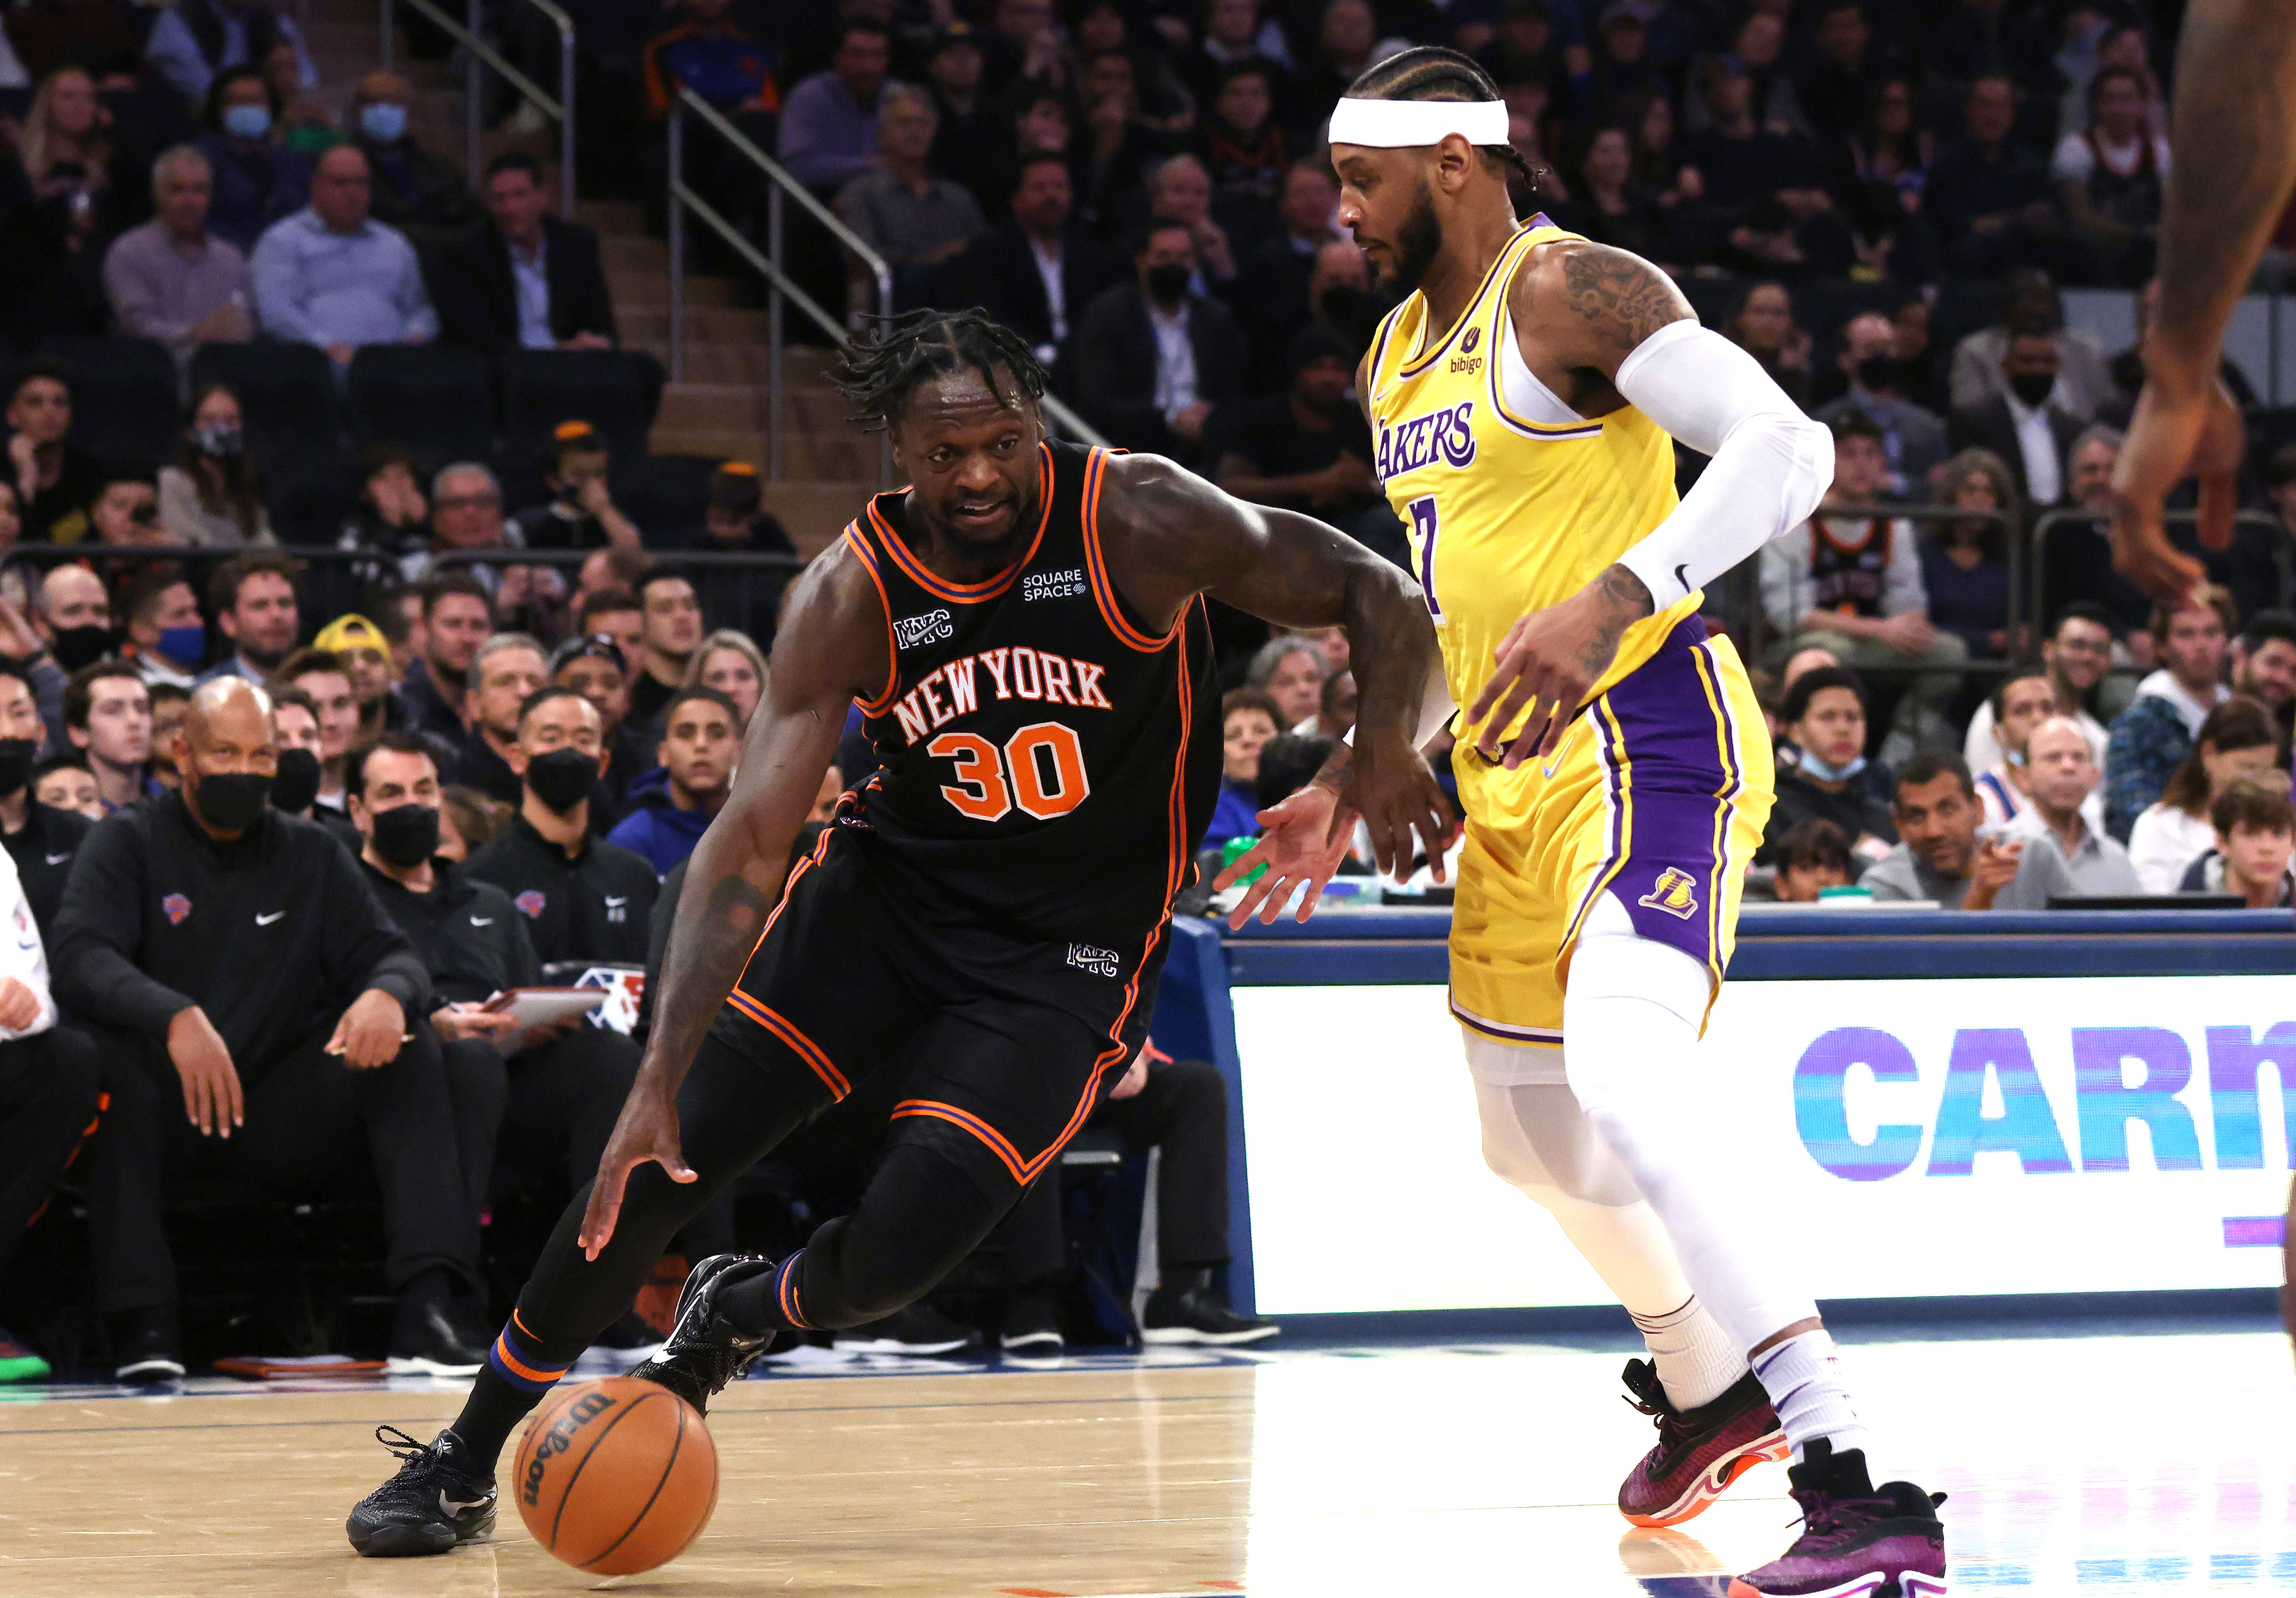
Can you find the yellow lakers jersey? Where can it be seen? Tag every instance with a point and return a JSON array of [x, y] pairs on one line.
[[1507, 513]]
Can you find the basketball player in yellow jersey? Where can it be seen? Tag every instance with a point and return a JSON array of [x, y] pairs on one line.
[[1524, 399]]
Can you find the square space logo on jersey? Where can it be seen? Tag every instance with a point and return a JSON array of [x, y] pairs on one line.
[[1417, 442], [932, 627], [1053, 584]]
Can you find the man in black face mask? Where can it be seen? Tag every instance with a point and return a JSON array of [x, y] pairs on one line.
[[2025, 427], [1867, 379], [582, 899], [232, 961], [554, 1091], [41, 839], [1152, 358]]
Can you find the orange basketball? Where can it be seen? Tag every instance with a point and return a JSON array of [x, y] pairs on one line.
[[616, 1476]]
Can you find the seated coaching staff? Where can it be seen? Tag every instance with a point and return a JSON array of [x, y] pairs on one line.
[[232, 960], [582, 899], [564, 1084]]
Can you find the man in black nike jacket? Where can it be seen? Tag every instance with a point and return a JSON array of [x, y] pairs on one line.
[[231, 959]]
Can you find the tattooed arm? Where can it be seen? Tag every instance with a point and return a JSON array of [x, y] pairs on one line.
[[1170, 535], [1604, 329], [833, 649]]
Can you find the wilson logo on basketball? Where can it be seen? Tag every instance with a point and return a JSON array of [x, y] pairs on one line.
[[558, 1439]]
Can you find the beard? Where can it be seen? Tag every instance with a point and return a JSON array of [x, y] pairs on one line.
[[1418, 241]]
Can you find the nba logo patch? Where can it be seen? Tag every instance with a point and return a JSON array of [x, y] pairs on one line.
[[1676, 894], [529, 904], [177, 907]]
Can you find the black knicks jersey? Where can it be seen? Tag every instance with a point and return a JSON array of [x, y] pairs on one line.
[[1048, 763]]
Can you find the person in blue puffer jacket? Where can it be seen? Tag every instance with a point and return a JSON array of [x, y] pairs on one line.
[[675, 800]]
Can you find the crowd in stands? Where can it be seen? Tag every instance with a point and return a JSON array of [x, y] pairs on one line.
[[457, 732]]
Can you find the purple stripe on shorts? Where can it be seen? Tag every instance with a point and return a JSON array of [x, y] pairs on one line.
[[2253, 1231]]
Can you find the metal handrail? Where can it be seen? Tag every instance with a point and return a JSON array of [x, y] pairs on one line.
[[781, 288], [2284, 553], [480, 53]]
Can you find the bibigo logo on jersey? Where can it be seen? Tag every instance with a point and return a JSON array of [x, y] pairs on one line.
[[1419, 441]]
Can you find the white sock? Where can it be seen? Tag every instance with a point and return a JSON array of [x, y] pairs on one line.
[[1804, 1382], [1695, 1359]]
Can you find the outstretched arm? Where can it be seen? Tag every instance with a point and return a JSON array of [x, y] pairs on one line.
[[1170, 535], [1609, 328], [2234, 142], [833, 649]]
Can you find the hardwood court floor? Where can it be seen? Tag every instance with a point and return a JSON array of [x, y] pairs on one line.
[[2099, 1464]]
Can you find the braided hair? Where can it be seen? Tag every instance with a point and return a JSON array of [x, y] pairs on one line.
[[885, 366], [1431, 72]]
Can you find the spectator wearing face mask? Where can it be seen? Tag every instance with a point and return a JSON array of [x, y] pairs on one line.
[[1941, 858], [254, 181], [1812, 857], [41, 839], [108, 718], [555, 1090], [583, 898], [295, 783], [674, 803], [503, 674], [212, 495], [2067, 852], [299, 1064], [580, 513], [170, 640], [64, 783], [2255, 826], [71, 630], [414, 189], [253, 598], [324, 678], [1151, 357], [594, 666], [1828, 777]]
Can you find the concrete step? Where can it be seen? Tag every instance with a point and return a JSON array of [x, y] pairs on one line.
[[612, 216], [849, 456], [704, 324], [815, 511], [711, 361], [638, 289], [635, 252], [811, 407]]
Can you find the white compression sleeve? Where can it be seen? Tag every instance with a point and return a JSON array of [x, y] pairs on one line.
[[1771, 464]]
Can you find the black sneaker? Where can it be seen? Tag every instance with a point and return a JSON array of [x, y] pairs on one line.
[[920, 1329], [1031, 1326], [144, 1342], [437, 1500], [430, 1343], [1886, 1541], [1187, 1309], [1700, 1451], [704, 1351]]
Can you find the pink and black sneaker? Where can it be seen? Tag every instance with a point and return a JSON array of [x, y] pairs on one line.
[[1700, 1452], [1858, 1540]]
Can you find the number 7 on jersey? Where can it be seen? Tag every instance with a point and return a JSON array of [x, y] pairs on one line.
[[1423, 523]]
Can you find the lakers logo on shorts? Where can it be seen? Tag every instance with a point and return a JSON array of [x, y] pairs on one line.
[[1676, 894]]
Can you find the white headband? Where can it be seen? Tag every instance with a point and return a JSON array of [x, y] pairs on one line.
[[1404, 124]]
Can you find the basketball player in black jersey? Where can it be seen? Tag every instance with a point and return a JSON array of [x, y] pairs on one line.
[[1024, 628]]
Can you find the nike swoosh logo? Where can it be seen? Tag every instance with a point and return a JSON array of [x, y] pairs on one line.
[[59, 859], [454, 1508], [265, 920], [1682, 576], [615, 903], [482, 921]]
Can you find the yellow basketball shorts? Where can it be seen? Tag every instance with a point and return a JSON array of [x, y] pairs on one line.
[[1658, 795]]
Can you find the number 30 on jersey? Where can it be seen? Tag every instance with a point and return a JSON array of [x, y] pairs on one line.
[[1039, 771]]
